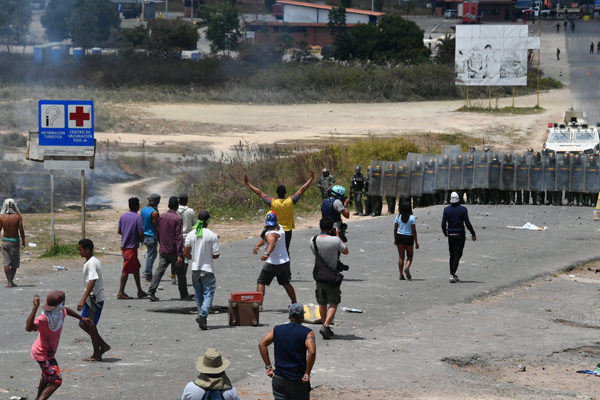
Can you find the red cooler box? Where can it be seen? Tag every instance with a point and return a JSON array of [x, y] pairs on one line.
[[244, 308]]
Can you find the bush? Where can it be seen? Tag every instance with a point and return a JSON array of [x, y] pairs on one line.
[[168, 37]]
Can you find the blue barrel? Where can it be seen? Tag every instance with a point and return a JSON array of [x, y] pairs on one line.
[[56, 55], [196, 55], [38, 55], [78, 53], [96, 51]]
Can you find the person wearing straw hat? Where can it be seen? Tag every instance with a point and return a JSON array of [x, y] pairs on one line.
[[212, 383], [454, 220], [295, 355], [49, 327]]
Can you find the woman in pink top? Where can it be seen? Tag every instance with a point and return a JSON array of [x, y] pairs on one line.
[[49, 326]]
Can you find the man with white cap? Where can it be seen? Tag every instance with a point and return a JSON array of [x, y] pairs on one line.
[[212, 383], [11, 226], [295, 354], [454, 220]]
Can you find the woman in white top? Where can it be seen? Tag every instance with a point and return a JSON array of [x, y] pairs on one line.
[[405, 237]]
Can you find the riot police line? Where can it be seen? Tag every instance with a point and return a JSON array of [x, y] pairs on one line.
[[486, 177]]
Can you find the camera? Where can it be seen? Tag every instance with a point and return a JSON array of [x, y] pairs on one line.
[[342, 232]]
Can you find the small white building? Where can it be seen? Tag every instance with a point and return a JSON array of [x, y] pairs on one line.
[[303, 12]]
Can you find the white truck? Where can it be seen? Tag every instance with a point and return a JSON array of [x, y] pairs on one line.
[[573, 136]]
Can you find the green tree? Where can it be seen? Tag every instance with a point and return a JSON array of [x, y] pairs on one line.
[[223, 30], [169, 36], [446, 49], [400, 40], [86, 22], [15, 18], [342, 41], [364, 37]]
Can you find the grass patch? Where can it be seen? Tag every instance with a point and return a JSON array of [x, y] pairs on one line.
[[60, 250], [503, 110]]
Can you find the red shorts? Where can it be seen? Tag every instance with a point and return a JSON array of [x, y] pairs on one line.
[[131, 264]]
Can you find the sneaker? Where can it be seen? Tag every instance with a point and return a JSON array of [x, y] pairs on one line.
[[407, 273], [323, 331], [402, 277], [329, 331], [452, 279], [148, 278], [152, 297], [189, 297], [456, 278], [201, 322]]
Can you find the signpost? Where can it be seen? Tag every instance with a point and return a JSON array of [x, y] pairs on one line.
[[65, 141]]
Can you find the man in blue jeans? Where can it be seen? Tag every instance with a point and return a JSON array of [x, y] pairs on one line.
[[202, 247], [150, 219]]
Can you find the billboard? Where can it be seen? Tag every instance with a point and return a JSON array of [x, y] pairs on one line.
[[492, 55]]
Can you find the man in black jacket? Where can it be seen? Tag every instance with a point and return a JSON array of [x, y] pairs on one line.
[[454, 219]]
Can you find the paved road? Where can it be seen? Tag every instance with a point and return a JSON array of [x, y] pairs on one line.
[[406, 329]]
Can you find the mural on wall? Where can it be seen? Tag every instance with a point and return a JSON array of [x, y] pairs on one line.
[[492, 55]]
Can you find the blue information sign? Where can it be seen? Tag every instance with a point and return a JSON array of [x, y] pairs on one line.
[[66, 123]]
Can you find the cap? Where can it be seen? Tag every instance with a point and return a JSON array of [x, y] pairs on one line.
[[54, 298], [296, 311], [454, 198]]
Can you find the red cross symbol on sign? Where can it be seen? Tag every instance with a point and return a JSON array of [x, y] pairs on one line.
[[79, 116]]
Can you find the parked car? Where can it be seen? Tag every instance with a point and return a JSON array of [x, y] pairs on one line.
[[451, 14]]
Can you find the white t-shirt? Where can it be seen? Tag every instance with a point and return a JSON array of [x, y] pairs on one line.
[[279, 255], [92, 270], [188, 216], [203, 249], [195, 392]]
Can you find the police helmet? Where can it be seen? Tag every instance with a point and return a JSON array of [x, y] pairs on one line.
[[357, 169]]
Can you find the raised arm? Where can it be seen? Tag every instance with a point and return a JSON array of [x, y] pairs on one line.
[[30, 326], [256, 190], [308, 182]]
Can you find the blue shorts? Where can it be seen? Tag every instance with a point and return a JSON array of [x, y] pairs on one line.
[[87, 311]]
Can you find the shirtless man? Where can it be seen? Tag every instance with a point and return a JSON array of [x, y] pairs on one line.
[[11, 225]]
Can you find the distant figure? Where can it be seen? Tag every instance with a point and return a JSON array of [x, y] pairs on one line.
[[325, 183], [212, 383], [49, 326], [557, 27], [592, 48], [11, 226], [131, 229], [295, 354], [557, 54], [454, 219], [188, 218], [405, 239], [92, 301], [598, 47], [572, 26], [150, 217]]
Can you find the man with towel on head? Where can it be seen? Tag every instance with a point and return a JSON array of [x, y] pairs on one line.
[[212, 383], [11, 225]]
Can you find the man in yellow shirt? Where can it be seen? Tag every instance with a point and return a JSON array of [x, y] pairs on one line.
[[283, 206]]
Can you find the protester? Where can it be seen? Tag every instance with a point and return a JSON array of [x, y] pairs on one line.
[[170, 237], [335, 206], [328, 246], [212, 383], [405, 239], [92, 301], [131, 229], [276, 258], [188, 218], [11, 226], [295, 354], [325, 183], [202, 247], [49, 326], [150, 217], [282, 206], [454, 219]]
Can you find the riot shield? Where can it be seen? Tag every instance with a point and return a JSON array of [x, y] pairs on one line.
[[592, 174], [388, 185], [563, 172], [536, 172], [577, 174], [507, 174], [494, 172], [468, 167], [442, 173], [416, 178], [456, 172], [549, 162], [402, 179], [480, 180], [522, 172], [429, 176], [375, 179]]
